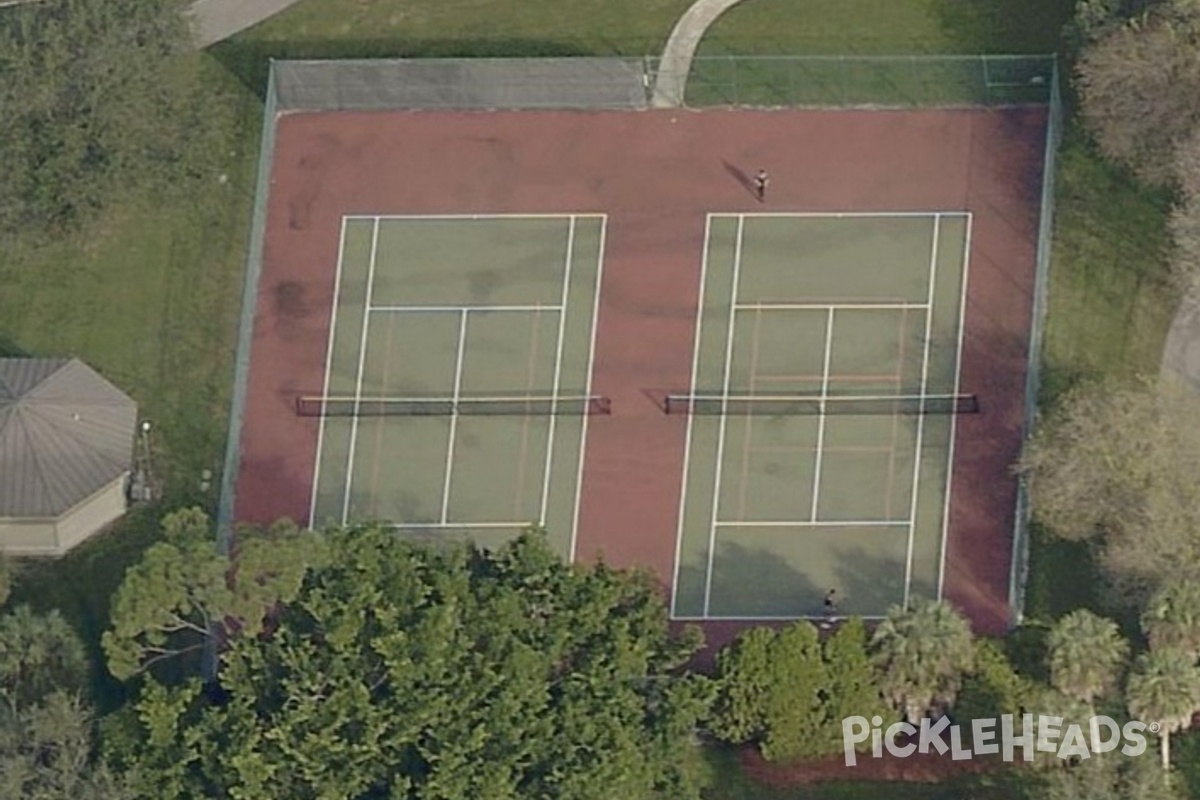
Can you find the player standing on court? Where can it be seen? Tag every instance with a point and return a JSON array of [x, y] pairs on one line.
[[760, 185]]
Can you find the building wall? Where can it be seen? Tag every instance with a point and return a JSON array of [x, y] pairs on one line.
[[92, 515], [41, 537], [28, 537]]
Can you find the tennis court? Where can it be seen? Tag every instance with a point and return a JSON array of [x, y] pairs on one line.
[[457, 381], [465, 323], [821, 415]]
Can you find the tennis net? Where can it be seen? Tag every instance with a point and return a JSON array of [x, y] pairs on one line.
[[517, 405], [805, 405]]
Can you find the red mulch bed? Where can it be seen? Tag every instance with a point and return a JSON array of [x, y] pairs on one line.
[[917, 768]]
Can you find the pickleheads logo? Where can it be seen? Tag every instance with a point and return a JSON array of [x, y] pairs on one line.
[[1042, 733]]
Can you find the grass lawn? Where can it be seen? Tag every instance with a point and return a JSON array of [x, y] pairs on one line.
[[888, 27], [149, 294], [1110, 298], [451, 28]]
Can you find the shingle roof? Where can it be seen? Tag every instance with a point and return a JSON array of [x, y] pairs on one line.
[[65, 433]]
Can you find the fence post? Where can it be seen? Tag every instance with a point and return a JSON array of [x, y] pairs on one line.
[[733, 80]]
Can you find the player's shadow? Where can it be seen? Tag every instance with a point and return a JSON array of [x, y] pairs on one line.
[[741, 177]]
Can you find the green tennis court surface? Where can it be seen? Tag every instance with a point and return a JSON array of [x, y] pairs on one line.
[[445, 330], [819, 450]]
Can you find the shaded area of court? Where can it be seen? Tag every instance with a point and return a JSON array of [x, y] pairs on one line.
[[434, 314], [809, 327]]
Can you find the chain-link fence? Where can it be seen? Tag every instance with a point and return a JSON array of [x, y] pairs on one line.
[[1054, 129], [462, 83], [600, 83], [841, 81], [254, 258]]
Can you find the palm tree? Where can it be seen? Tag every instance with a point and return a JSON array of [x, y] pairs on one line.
[[922, 653], [1164, 689], [1086, 652], [1172, 618]]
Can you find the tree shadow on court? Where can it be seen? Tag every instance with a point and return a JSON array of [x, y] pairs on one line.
[[762, 583], [249, 60], [863, 577]]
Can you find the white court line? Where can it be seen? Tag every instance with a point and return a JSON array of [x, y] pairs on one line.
[[583, 432], [458, 370], [454, 526], [457, 309], [816, 484], [962, 326], [770, 306], [337, 288], [562, 324], [808, 523], [687, 442], [471, 216], [362, 362], [848, 214], [712, 528], [916, 480]]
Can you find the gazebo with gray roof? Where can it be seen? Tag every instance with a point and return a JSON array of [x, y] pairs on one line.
[[66, 450]]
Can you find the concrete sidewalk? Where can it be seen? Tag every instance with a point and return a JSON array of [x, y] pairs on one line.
[[1181, 355], [215, 20], [677, 55]]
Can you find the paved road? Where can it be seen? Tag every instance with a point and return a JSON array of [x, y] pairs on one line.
[[220, 19]]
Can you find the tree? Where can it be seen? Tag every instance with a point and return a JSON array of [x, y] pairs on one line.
[[1114, 463], [1094, 779], [1138, 85], [1048, 701], [1106, 778], [745, 688], [183, 591], [45, 753], [101, 97], [1164, 689], [6, 579], [923, 653], [992, 687], [1096, 19], [853, 681], [772, 686], [408, 670], [1171, 618], [1085, 655], [38, 654]]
